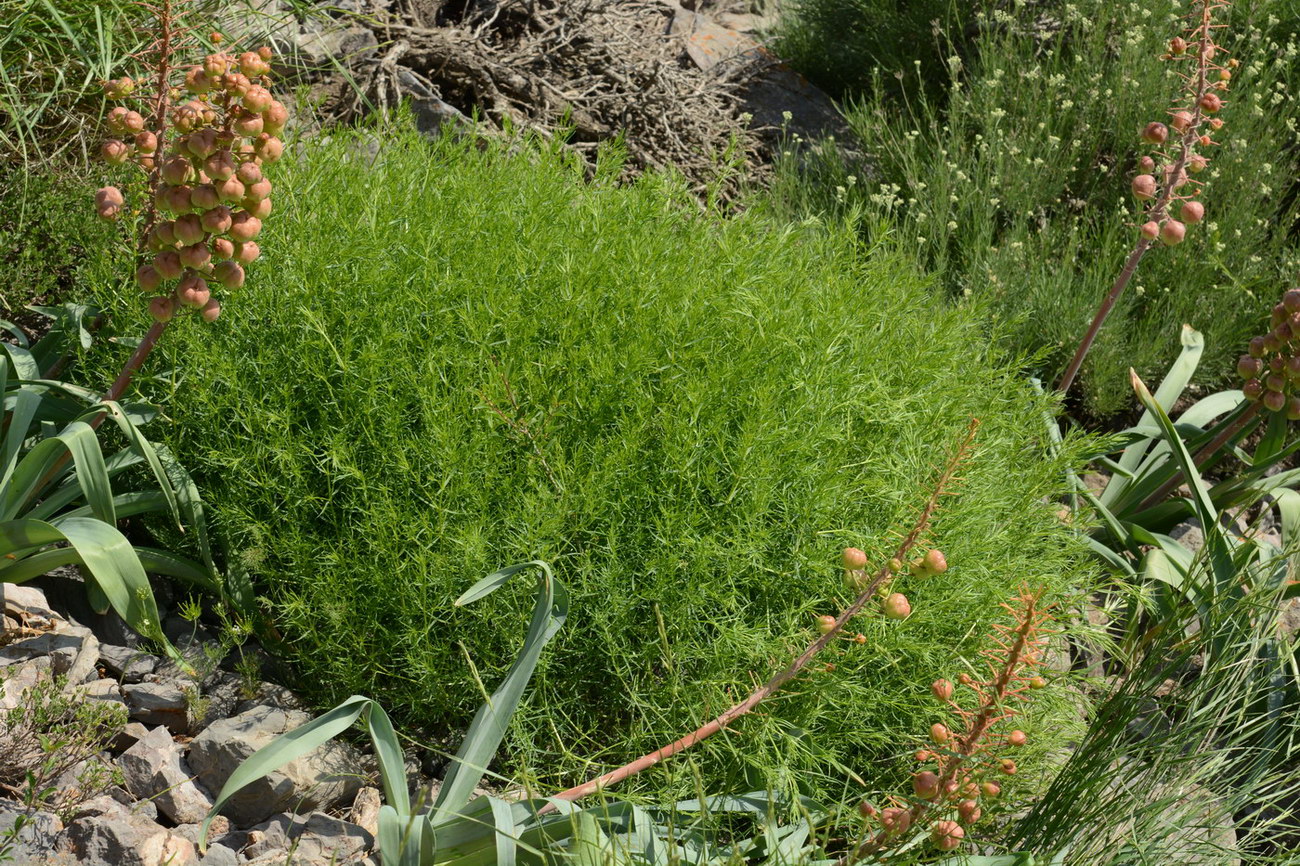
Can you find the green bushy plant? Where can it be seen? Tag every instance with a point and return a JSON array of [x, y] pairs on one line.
[[1013, 188], [455, 357]]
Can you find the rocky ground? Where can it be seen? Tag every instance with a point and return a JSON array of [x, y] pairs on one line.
[[126, 752]]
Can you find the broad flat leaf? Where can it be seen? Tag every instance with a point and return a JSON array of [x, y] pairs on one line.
[[33, 473], [392, 766], [493, 717]]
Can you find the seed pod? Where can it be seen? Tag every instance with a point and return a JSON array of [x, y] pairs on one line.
[[219, 166], [1274, 382], [1248, 367], [1007, 767], [196, 80], [1151, 230], [247, 253], [114, 152], [896, 606], [216, 220], [204, 197], [176, 170], [262, 210], [222, 248], [196, 256], [1180, 121], [934, 562], [895, 820], [168, 264], [1192, 212], [1291, 300], [968, 811], [942, 690], [1144, 187], [148, 278], [178, 199], [1216, 123], [1017, 738], [825, 624], [853, 558], [1037, 683], [1211, 103], [939, 734], [1197, 163], [268, 148], [1177, 45], [274, 118], [249, 173], [211, 310], [116, 119], [250, 63], [925, 784], [201, 144], [264, 52], [109, 195], [230, 190], [1205, 141], [215, 65], [1172, 232], [248, 124], [1155, 133], [189, 229], [192, 290], [259, 190], [1256, 347], [964, 679], [946, 835], [257, 99], [244, 226], [1274, 400], [162, 309], [1293, 409]]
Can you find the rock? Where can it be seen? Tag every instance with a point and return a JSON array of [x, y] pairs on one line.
[[1189, 534], [24, 602], [103, 690], [154, 770], [158, 704], [271, 695], [319, 780], [66, 590], [129, 736], [36, 839], [19, 679], [70, 649], [222, 693], [1288, 623], [317, 49], [128, 665], [106, 841], [219, 855], [317, 838], [365, 810]]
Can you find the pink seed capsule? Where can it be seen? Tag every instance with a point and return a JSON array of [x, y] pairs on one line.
[[1144, 187], [249, 124], [249, 173], [211, 310], [268, 148], [231, 275], [1017, 738], [1211, 103], [116, 120], [1180, 120], [148, 278], [1248, 367], [896, 606], [222, 248], [939, 734], [168, 264], [274, 118], [1197, 163], [1172, 232], [230, 190], [934, 561], [219, 166], [146, 142], [247, 253], [1293, 409], [109, 195], [259, 190], [196, 256], [189, 229], [1192, 212], [942, 690], [204, 197], [176, 170], [192, 290], [114, 152], [133, 122], [217, 220], [1155, 133], [162, 309], [853, 558], [178, 199], [257, 99], [260, 209], [244, 226], [968, 811], [1151, 230], [1274, 401], [825, 623], [1146, 165], [925, 784], [946, 835]]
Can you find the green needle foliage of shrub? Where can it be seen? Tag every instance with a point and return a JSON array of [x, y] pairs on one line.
[[1013, 188], [456, 358]]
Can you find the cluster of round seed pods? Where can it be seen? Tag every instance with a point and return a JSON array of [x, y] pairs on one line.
[[893, 605], [1165, 181], [208, 188], [1271, 366]]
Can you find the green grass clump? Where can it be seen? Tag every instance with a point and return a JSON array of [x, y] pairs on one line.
[[1013, 189], [451, 359]]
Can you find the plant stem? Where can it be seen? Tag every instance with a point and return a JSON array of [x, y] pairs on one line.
[[781, 678], [133, 364], [1203, 455]]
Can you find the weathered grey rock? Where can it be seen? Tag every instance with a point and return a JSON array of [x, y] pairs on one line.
[[20, 678], [222, 693], [219, 855], [128, 665], [37, 838], [105, 841], [1189, 534], [26, 603], [271, 695], [154, 770], [158, 704], [316, 838], [103, 690], [131, 734], [319, 780], [119, 804], [68, 647], [365, 810]]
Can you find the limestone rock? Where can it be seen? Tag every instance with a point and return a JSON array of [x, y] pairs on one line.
[[158, 704]]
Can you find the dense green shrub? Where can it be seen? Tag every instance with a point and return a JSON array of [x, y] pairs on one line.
[[700, 414], [1014, 190]]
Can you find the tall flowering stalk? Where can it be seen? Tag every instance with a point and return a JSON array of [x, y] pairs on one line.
[[872, 587], [966, 757], [1166, 183], [205, 195]]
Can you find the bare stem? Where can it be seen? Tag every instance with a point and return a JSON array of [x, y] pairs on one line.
[[767, 689]]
